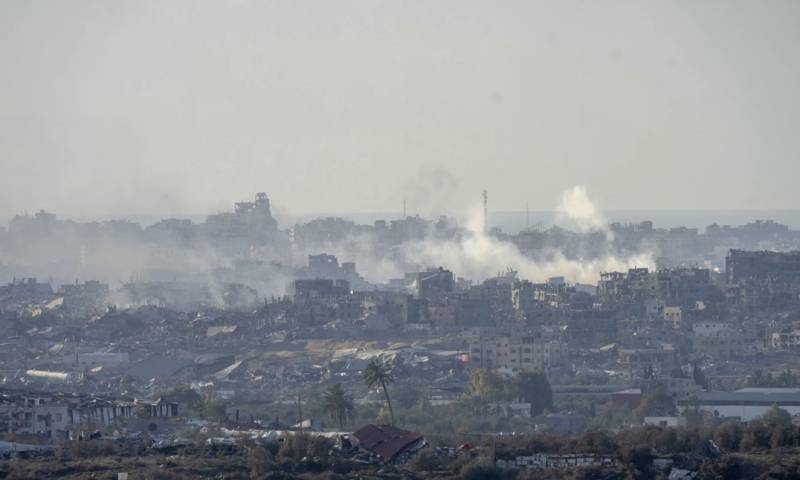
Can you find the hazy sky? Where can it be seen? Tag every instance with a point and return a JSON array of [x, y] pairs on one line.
[[338, 106]]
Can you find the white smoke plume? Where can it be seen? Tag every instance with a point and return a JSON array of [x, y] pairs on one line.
[[477, 255], [579, 213]]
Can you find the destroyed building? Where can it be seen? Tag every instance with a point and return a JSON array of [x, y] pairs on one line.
[[763, 278], [25, 292], [185, 296], [434, 284], [327, 266], [642, 291], [81, 300], [57, 415], [388, 442]]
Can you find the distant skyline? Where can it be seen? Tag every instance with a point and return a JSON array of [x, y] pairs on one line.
[[508, 221], [169, 107]]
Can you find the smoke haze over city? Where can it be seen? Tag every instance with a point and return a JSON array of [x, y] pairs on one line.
[[461, 239]]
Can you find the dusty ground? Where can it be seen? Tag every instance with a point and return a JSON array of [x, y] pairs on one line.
[[179, 467], [150, 467]]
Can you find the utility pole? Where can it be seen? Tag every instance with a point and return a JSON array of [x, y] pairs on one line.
[[299, 412], [404, 209]]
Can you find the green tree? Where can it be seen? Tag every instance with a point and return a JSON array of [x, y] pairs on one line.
[[338, 406], [656, 404], [698, 376], [781, 436], [757, 436], [485, 384], [260, 461], [215, 409], [597, 441], [534, 388], [729, 435], [749, 441], [295, 446], [379, 373], [776, 416], [185, 396], [759, 379], [637, 458], [425, 461]]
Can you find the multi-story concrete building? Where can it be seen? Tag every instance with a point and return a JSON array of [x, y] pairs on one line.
[[516, 354], [762, 278], [722, 340]]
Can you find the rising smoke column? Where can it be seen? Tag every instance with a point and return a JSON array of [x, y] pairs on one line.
[[577, 212], [478, 255]]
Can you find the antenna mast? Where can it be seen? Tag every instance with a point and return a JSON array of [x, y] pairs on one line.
[[485, 211], [527, 216]]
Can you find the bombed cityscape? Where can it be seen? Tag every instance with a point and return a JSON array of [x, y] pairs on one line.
[[334, 240]]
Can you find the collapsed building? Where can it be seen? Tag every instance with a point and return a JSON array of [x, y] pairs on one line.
[[643, 291], [58, 415], [24, 292], [763, 278], [389, 443], [185, 296], [327, 267]]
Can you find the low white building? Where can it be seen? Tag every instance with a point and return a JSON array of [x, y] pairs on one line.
[[566, 460], [746, 404]]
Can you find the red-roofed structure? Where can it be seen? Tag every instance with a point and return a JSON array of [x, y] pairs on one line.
[[388, 441]]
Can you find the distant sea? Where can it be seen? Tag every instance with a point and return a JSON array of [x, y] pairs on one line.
[[514, 221]]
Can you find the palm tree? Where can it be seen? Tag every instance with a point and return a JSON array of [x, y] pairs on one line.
[[338, 406], [379, 372]]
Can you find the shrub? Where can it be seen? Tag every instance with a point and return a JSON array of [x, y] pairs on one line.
[[260, 461], [320, 447], [482, 471], [425, 461], [295, 446], [639, 457], [480, 468], [782, 436], [728, 435]]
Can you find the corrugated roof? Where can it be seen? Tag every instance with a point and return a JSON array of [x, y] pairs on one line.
[[747, 398], [227, 371], [386, 440], [769, 390]]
